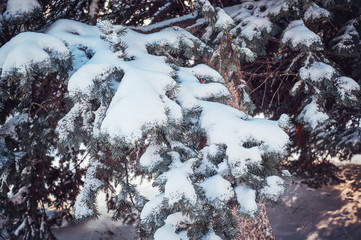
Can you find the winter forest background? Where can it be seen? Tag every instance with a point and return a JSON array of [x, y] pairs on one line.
[[216, 103]]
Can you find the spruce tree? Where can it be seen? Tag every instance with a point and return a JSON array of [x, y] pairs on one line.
[[293, 61], [35, 177], [140, 108]]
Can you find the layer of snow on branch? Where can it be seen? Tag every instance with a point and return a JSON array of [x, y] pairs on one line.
[[252, 27], [315, 12], [202, 70], [235, 130], [152, 208], [312, 115], [91, 184], [260, 8], [166, 23], [346, 85], [151, 157], [224, 21], [274, 188], [168, 231], [246, 198], [217, 190], [27, 49], [297, 35], [179, 185], [348, 37], [83, 79], [15, 8], [211, 236], [317, 72]]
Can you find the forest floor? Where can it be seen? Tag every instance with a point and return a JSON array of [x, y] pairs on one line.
[[330, 212]]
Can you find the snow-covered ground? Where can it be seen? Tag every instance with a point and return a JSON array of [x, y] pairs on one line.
[[332, 212]]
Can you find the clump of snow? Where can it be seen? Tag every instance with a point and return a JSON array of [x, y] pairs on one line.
[[16, 8], [298, 36], [201, 91], [179, 186], [217, 189], [296, 87], [211, 236], [246, 198], [284, 122], [153, 207], [91, 185], [207, 6], [252, 27], [27, 49], [83, 79], [347, 41], [169, 230], [345, 86], [249, 56], [151, 157], [312, 115], [315, 12], [317, 72], [202, 70], [224, 21], [261, 8], [274, 188]]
